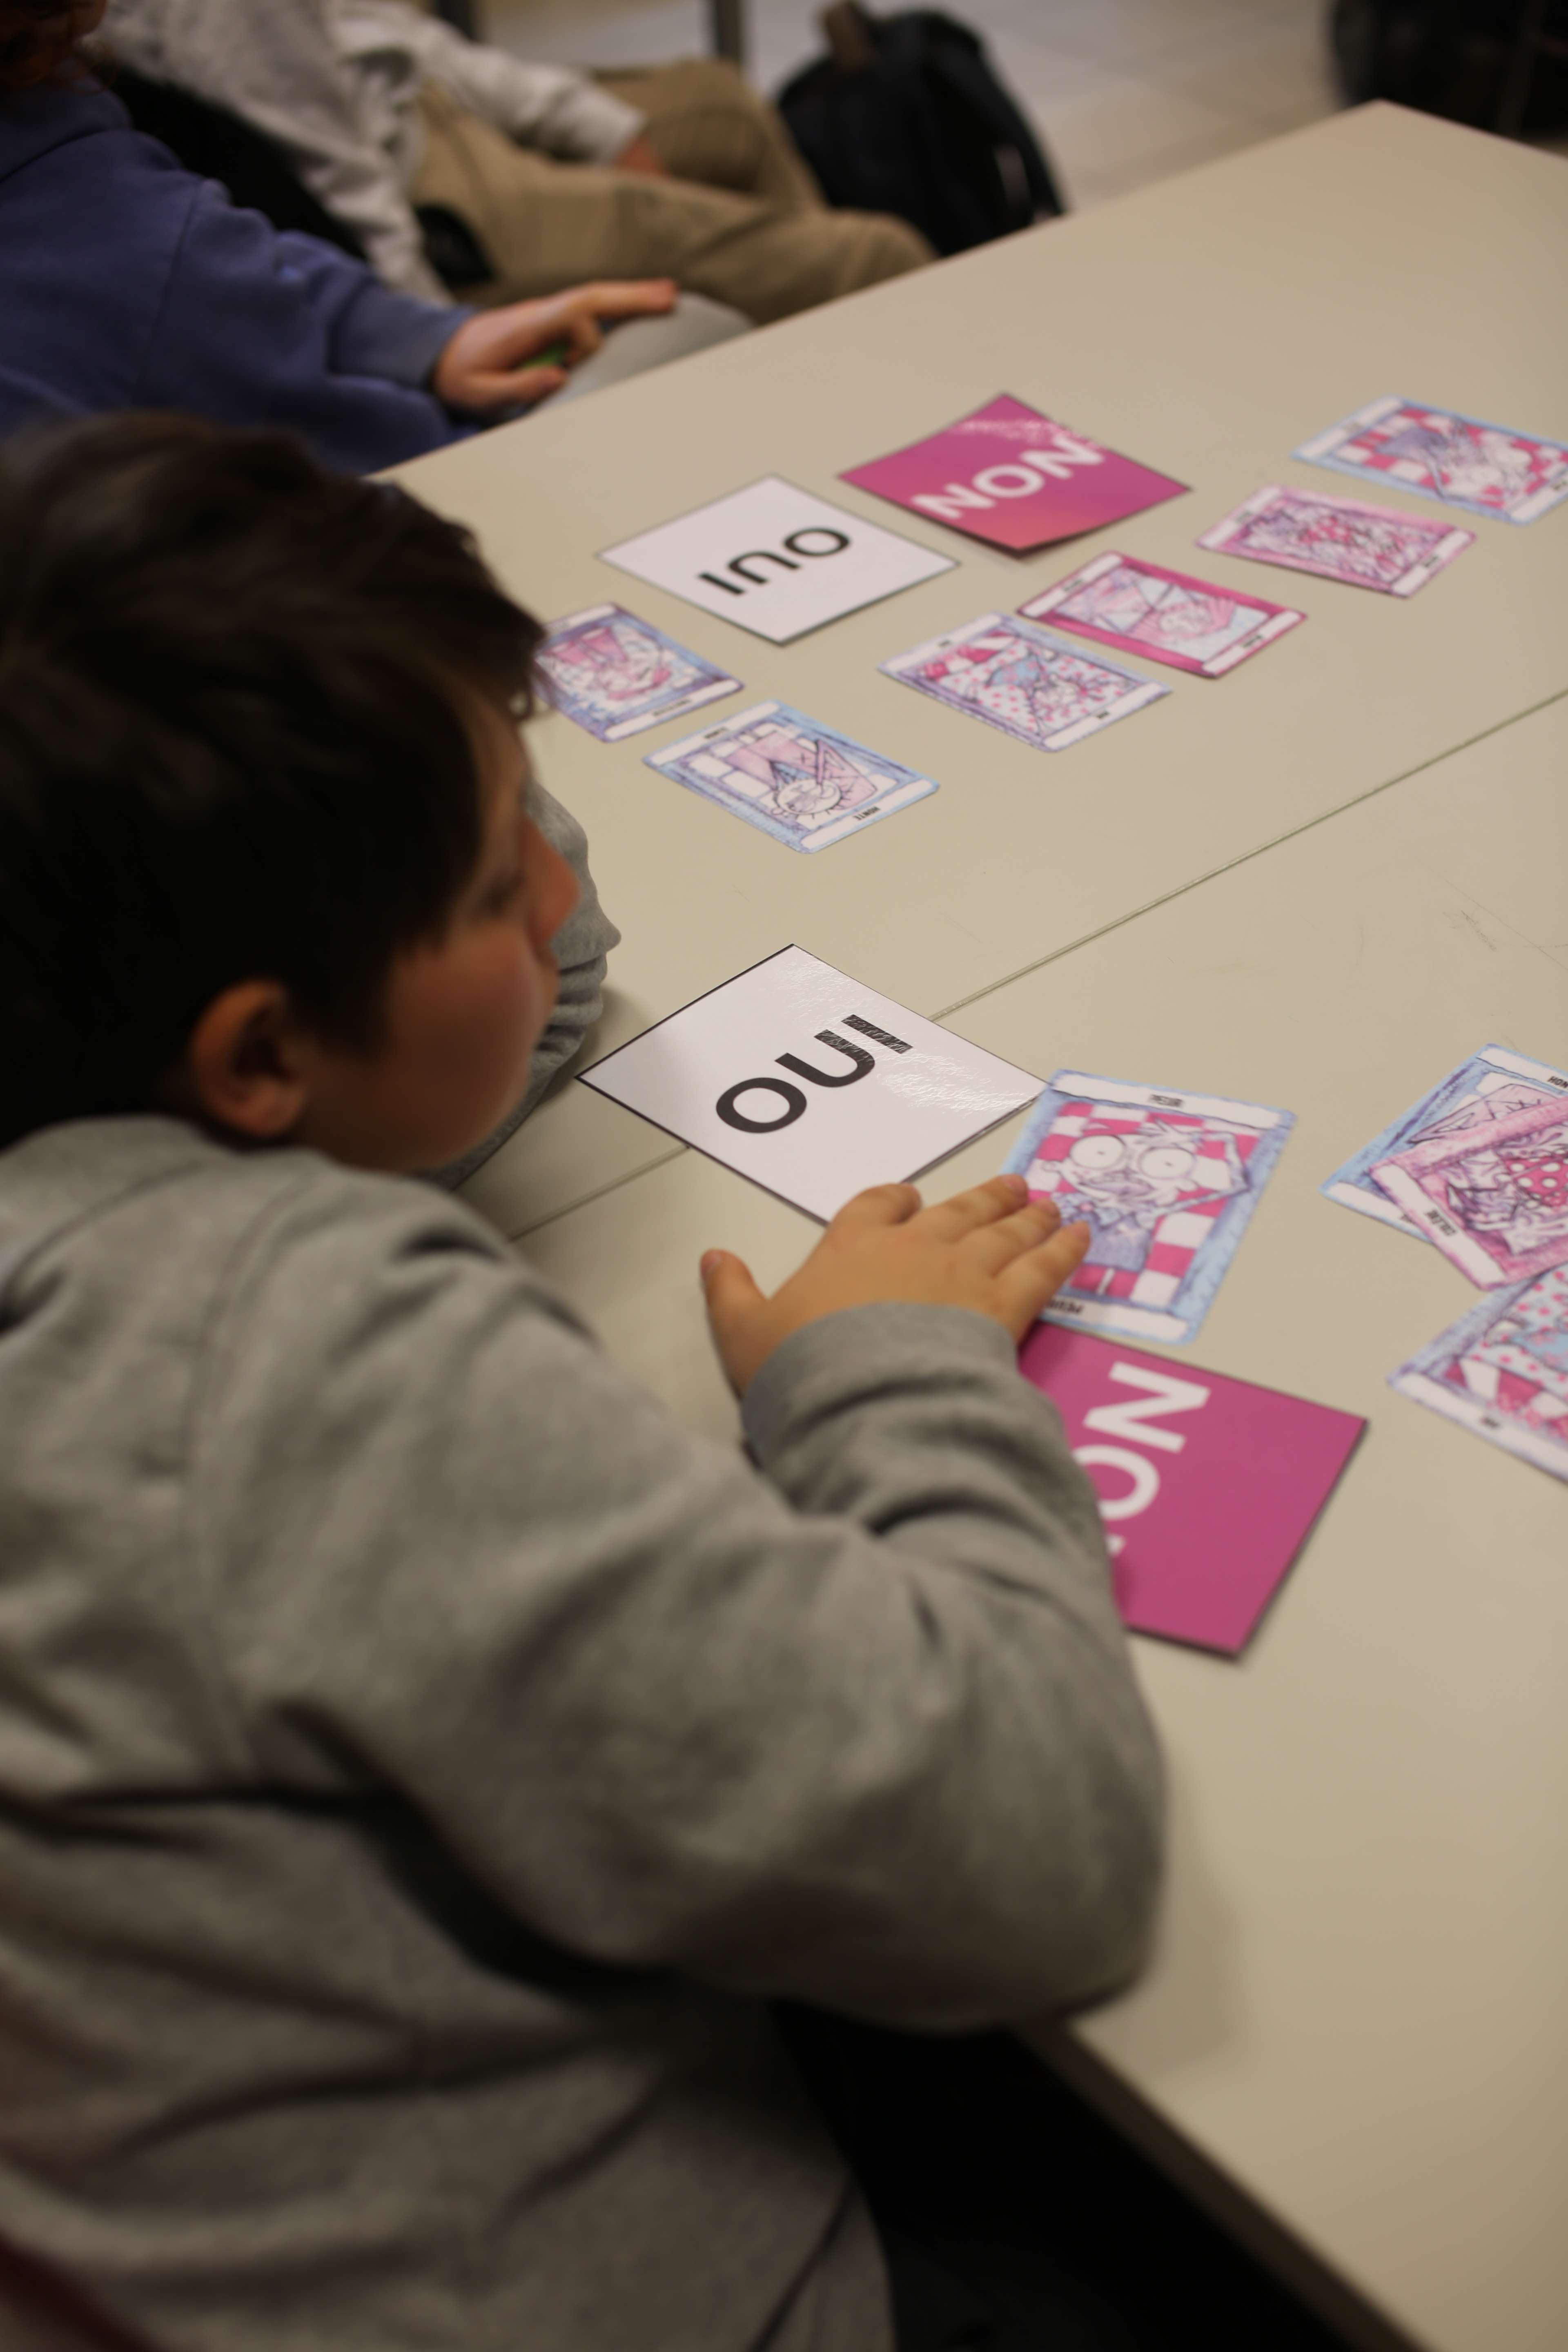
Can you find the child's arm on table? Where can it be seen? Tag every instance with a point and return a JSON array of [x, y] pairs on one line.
[[862, 1730]]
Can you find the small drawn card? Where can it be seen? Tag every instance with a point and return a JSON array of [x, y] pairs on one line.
[[1017, 479], [802, 782], [1142, 608], [1208, 1487], [1339, 539], [1493, 1197], [1485, 468], [776, 559], [1168, 1183], [1502, 1371], [1030, 684], [1487, 1087], [616, 675], [810, 1083]]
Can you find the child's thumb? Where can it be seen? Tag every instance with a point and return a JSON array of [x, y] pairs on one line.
[[730, 1294], [727, 1287]]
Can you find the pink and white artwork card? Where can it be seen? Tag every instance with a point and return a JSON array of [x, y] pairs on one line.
[[1014, 478], [1502, 1371], [1208, 1487], [1142, 608], [1338, 539], [1494, 1198], [1487, 469]]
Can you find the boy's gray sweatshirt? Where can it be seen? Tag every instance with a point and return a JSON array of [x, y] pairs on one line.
[[420, 1760]]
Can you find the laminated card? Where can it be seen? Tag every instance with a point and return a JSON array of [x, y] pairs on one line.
[[810, 1083], [775, 560], [1208, 1487], [1010, 475]]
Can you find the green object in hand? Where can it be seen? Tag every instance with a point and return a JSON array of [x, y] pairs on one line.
[[554, 355]]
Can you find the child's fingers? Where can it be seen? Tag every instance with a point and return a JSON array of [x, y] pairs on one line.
[[514, 388], [996, 1245], [730, 1294], [1032, 1280], [980, 1205], [881, 1205]]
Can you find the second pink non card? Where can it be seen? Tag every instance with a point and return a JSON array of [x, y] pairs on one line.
[[1208, 1487], [1008, 475]]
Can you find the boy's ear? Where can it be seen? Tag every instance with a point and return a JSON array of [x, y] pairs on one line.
[[246, 1062]]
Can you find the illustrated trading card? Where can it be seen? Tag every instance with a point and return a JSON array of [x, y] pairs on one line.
[[1339, 539], [1485, 468], [1491, 1084], [1493, 1197], [1502, 1371], [776, 559], [616, 675], [1167, 1182], [801, 782], [1024, 681], [1017, 479], [1142, 608]]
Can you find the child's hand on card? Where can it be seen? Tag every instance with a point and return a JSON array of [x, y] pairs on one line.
[[992, 1250]]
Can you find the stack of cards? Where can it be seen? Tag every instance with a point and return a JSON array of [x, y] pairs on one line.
[[1480, 1167]]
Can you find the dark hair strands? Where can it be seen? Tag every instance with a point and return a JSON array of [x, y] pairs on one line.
[[39, 41], [233, 743]]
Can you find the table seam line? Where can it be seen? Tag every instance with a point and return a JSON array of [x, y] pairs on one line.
[[602, 1192], [1086, 939], [1246, 858]]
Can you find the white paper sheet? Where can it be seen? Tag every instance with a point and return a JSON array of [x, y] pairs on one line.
[[810, 1083], [775, 560]]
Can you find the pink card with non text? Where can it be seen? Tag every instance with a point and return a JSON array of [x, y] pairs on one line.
[[1010, 475], [1208, 1487]]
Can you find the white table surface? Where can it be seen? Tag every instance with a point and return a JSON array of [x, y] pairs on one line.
[[1208, 326], [1356, 2014], [1353, 2037]]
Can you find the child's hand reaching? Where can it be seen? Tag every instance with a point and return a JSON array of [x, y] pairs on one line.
[[992, 1250], [486, 365]]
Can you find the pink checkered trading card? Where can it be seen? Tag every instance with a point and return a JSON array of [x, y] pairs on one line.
[[1142, 608], [1493, 1197], [1338, 539], [1487, 469], [1040, 688], [1168, 1183], [1502, 1371], [616, 675]]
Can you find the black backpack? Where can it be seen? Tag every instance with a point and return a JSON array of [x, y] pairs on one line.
[[1495, 63], [907, 117]]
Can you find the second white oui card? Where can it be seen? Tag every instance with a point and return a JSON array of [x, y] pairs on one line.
[[775, 560], [811, 1084]]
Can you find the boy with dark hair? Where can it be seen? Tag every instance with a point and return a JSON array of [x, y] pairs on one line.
[[419, 1758]]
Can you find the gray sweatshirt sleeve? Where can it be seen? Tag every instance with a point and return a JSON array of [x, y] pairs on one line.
[[858, 1726]]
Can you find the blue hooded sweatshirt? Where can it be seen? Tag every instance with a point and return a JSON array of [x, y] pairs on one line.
[[127, 282]]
